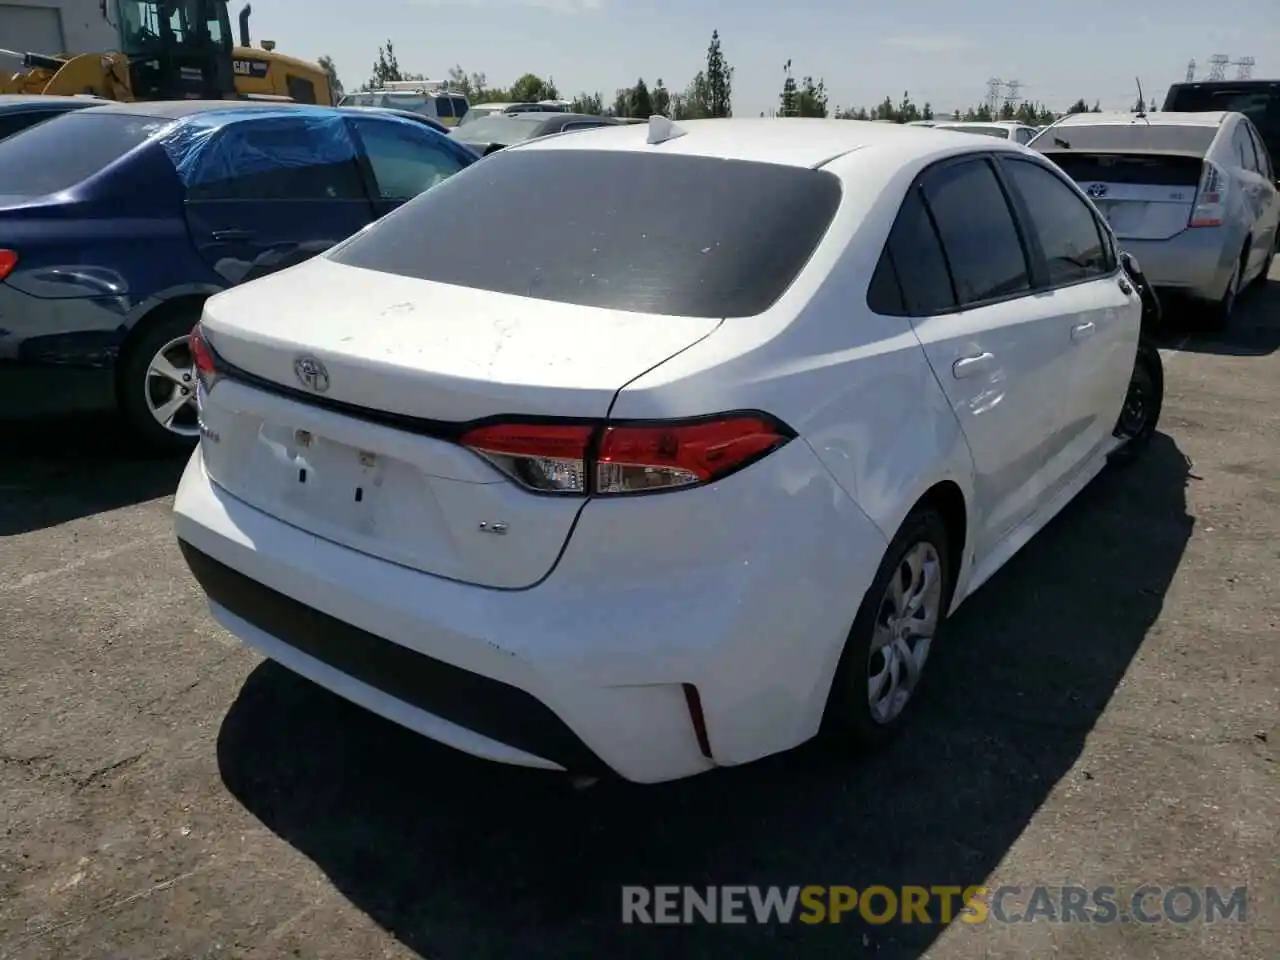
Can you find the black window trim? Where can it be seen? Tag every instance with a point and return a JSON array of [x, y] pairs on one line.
[[1037, 266], [1023, 212]]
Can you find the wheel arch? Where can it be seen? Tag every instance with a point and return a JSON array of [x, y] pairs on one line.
[[159, 309]]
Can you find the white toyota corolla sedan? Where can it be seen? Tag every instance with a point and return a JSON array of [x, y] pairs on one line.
[[654, 448]]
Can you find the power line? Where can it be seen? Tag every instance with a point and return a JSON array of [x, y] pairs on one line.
[[1191, 70], [1244, 68], [1218, 66]]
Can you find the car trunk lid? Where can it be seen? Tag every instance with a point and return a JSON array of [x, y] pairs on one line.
[[1144, 196], [345, 394]]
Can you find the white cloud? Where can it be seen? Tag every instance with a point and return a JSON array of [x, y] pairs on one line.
[[930, 44]]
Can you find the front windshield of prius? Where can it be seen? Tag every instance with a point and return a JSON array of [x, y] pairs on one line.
[[145, 25]]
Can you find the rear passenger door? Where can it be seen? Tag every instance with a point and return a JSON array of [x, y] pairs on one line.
[[403, 158], [1001, 355], [266, 194], [1078, 278], [1268, 225]]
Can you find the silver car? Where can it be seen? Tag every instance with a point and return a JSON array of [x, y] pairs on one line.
[[1191, 195]]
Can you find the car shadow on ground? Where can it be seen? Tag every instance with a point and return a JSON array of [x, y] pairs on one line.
[[60, 469], [1254, 329], [458, 858]]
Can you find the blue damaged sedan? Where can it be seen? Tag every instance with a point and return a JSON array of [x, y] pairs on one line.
[[117, 223]]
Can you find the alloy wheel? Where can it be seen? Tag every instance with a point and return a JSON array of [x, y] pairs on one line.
[[906, 622], [170, 388]]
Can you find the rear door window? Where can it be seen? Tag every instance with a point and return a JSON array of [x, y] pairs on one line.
[[1061, 222], [977, 230], [1242, 149], [276, 159], [406, 159], [59, 154], [914, 264], [444, 108], [656, 233]]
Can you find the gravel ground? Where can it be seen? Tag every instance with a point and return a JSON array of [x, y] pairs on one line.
[[1105, 712]]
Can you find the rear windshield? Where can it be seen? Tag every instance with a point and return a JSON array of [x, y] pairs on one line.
[[1259, 104], [1136, 137], [504, 128], [58, 154], [648, 233]]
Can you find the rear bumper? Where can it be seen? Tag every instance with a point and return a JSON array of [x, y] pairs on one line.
[[56, 355], [1195, 263], [586, 671]]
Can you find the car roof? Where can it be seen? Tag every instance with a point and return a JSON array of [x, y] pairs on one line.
[[177, 109], [16, 100], [1209, 118], [976, 123], [792, 141]]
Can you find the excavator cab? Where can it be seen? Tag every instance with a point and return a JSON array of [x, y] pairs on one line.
[[177, 49]]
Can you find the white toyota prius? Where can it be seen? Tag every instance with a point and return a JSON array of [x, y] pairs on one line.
[[650, 449]]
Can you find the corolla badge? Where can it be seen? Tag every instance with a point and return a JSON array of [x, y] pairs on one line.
[[311, 373], [1097, 190]]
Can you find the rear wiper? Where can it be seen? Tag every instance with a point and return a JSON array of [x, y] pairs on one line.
[[1059, 142]]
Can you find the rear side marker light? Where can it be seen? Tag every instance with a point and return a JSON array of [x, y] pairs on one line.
[[609, 459], [8, 261]]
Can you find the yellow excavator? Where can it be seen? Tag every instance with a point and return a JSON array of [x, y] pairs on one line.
[[172, 50]]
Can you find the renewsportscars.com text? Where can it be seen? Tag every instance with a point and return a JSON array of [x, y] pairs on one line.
[[1149, 904]]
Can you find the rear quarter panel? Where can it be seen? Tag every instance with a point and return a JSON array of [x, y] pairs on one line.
[[856, 386], [95, 260]]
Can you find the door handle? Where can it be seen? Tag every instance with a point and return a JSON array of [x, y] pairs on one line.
[[971, 366], [233, 234], [1082, 331]]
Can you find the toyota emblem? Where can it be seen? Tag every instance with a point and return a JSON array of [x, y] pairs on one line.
[[311, 373], [1097, 190]]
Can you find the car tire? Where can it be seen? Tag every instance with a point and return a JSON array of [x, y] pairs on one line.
[[1219, 313], [142, 390], [855, 721], [1140, 415]]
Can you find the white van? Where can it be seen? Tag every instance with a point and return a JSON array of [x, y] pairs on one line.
[[430, 98]]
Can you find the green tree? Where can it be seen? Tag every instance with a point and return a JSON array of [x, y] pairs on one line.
[[641, 102], [787, 99], [621, 103], [661, 98], [812, 101], [1078, 107], [695, 102], [386, 67], [592, 103], [331, 72], [719, 78], [531, 88]]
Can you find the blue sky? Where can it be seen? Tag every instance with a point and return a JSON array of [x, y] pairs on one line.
[[940, 52]]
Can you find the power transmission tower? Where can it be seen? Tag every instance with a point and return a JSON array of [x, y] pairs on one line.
[[994, 87], [1218, 66], [1244, 68], [1191, 70], [1011, 93]]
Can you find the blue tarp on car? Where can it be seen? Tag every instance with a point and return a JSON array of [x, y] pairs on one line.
[[202, 155]]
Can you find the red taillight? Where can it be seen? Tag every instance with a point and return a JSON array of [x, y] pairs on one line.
[[202, 358], [1209, 208], [8, 260], [633, 459], [547, 457], [625, 458]]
